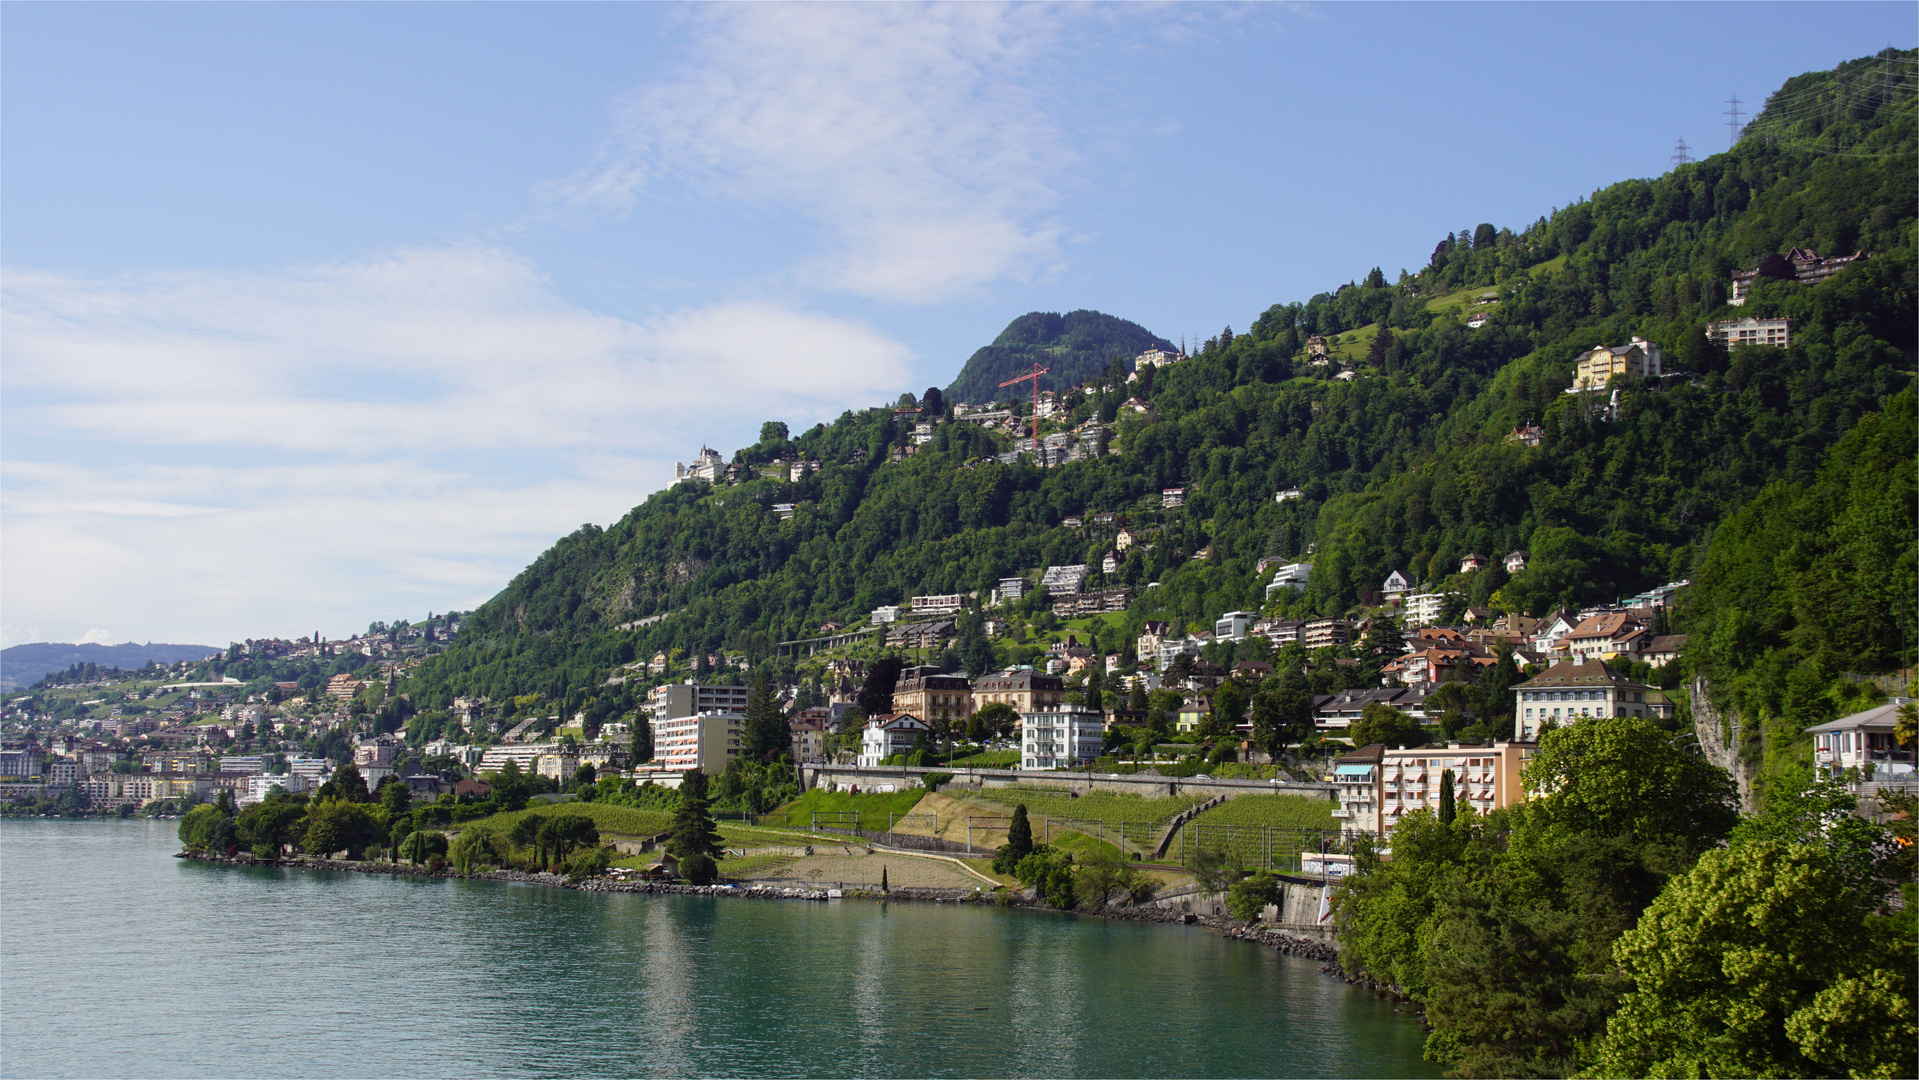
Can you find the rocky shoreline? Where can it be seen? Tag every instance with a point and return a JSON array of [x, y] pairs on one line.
[[1290, 944]]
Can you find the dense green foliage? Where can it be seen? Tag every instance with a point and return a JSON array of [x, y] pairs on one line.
[[1809, 583], [1073, 347], [1405, 466]]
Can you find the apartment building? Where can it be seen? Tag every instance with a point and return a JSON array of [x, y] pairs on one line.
[[1321, 633], [1024, 688], [689, 699], [704, 741], [933, 695], [1570, 690], [1376, 787], [1638, 358], [1061, 737], [939, 605], [1732, 333]]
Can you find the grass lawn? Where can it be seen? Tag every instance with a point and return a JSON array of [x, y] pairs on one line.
[[877, 810], [988, 759], [1088, 806], [1287, 811], [614, 820]]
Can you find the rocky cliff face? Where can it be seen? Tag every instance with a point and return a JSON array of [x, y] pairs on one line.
[[1721, 737]]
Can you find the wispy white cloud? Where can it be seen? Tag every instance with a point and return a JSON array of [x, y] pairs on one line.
[[423, 351], [916, 138], [358, 440]]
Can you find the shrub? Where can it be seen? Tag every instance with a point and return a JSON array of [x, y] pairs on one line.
[[934, 780], [1246, 897], [699, 868]]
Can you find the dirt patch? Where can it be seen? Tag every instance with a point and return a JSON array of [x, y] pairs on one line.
[[948, 819], [863, 871]]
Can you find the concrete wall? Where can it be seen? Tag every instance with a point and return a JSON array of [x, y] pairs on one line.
[[820, 775]]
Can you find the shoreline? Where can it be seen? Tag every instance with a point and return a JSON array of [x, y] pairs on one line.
[[1278, 940]]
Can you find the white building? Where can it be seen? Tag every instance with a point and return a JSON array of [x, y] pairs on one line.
[[1732, 333], [1288, 495], [1423, 609], [1290, 576], [1862, 741], [1397, 584], [1062, 737], [260, 786], [1233, 625], [885, 736], [889, 613], [939, 605], [1065, 580]]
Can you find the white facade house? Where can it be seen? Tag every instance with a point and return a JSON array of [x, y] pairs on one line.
[[1288, 495], [1065, 580], [1290, 576], [889, 613], [885, 736], [259, 787], [1862, 741], [1397, 585], [1062, 737], [1233, 625], [1550, 633]]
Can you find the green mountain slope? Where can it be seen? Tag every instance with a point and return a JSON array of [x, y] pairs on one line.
[[1405, 466], [1073, 347]]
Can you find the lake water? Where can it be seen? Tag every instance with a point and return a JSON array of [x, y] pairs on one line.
[[118, 960]]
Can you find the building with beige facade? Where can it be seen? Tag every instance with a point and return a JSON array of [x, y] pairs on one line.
[[1024, 688], [936, 697], [1571, 690], [704, 741], [1376, 787]]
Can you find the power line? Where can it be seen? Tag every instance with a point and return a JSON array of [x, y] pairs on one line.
[[1732, 115], [1682, 154]]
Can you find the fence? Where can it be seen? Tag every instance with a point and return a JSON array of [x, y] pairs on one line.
[[1269, 847]]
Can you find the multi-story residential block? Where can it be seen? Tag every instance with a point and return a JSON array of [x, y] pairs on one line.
[[1732, 333], [1808, 268], [889, 613], [1061, 737], [934, 696], [704, 741], [1023, 688], [945, 604], [1171, 497], [1569, 691], [1065, 580], [1377, 787], [1009, 589], [1638, 358], [809, 736], [1423, 609], [1321, 633], [1610, 633], [689, 699], [21, 762]]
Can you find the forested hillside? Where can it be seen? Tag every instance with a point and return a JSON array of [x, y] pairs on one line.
[[1073, 348], [1406, 466]]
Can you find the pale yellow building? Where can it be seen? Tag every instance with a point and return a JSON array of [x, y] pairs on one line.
[[1637, 358]]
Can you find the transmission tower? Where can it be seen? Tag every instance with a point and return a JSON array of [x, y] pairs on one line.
[[1682, 154], [1732, 115]]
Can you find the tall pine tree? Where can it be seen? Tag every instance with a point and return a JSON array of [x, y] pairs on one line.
[[693, 831]]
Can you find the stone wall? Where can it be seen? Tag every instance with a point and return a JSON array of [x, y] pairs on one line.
[[820, 775]]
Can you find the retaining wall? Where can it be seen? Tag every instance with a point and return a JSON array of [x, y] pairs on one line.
[[904, 778]]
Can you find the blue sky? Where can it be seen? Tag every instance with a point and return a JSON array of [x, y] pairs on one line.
[[319, 314]]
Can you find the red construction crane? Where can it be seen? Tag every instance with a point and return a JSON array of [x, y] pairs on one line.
[[1036, 373]]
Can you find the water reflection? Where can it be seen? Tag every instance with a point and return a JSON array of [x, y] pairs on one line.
[[121, 961]]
